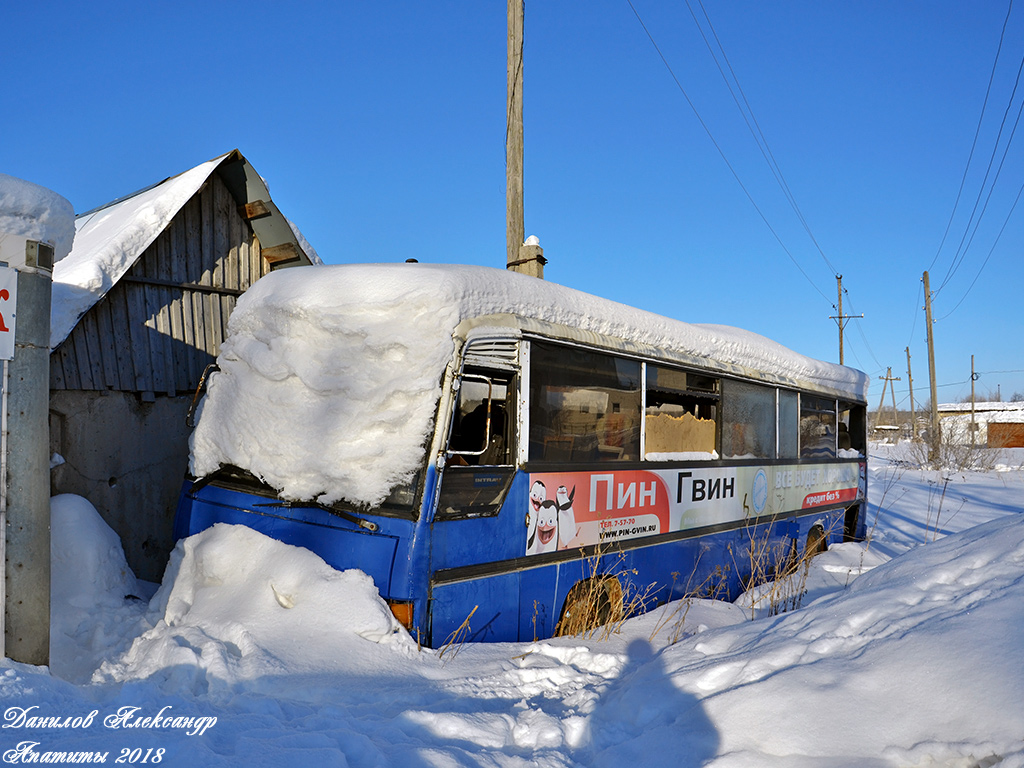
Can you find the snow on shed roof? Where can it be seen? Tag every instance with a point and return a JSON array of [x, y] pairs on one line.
[[111, 238], [343, 368]]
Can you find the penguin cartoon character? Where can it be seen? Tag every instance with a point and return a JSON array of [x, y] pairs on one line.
[[567, 530], [547, 527], [538, 495]]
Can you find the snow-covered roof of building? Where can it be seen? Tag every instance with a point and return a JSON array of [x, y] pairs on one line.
[[980, 407], [1015, 416], [344, 367], [29, 211], [110, 239]]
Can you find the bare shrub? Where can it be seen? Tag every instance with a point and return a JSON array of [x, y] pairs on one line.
[[955, 455], [779, 570], [457, 639]]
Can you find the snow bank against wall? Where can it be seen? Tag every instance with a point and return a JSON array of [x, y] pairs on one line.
[[330, 378], [91, 589]]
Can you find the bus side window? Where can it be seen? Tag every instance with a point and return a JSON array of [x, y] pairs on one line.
[[481, 431], [681, 417], [584, 405], [789, 424], [851, 429], [748, 420], [817, 427]]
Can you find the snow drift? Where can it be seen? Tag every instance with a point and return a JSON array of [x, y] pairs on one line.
[[238, 606], [917, 662]]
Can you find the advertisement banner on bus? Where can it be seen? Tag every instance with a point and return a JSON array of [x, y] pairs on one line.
[[573, 509]]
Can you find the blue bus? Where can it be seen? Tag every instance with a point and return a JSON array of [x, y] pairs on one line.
[[537, 456]]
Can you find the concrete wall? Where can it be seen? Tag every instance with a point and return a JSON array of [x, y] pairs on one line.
[[128, 458]]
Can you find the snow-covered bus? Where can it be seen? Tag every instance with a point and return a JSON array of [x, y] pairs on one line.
[[489, 445]]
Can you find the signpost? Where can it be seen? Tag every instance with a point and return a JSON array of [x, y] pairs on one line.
[[8, 302], [8, 305]]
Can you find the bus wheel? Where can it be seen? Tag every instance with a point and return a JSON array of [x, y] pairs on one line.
[[590, 604], [817, 542]]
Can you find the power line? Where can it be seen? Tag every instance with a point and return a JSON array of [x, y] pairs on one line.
[[861, 332], [988, 198], [961, 251], [977, 132], [721, 152], [991, 251], [753, 126]]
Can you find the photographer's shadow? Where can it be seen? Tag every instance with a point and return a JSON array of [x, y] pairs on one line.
[[642, 719]]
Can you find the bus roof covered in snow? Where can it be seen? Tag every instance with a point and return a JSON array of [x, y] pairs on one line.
[[330, 378]]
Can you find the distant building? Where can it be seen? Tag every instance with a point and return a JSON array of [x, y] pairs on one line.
[[997, 425], [140, 307], [886, 433]]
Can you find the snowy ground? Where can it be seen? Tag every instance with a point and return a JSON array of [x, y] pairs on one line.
[[906, 651]]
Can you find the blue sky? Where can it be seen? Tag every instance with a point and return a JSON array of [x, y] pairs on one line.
[[380, 129]]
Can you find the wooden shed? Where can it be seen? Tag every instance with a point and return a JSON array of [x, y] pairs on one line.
[[995, 424], [1006, 435], [140, 308]]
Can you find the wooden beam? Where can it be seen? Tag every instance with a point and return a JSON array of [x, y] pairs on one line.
[[184, 286], [279, 253], [257, 209]]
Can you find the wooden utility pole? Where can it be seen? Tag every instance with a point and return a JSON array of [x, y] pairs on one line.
[[889, 378], [515, 229], [910, 382], [527, 258], [841, 318], [974, 424], [933, 433]]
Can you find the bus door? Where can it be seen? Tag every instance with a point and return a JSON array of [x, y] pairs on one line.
[[475, 531]]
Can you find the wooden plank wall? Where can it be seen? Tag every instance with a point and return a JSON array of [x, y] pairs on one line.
[[149, 334], [1005, 435]]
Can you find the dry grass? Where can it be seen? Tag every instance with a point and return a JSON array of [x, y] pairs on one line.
[[713, 587], [457, 639], [600, 603], [889, 480], [953, 457], [779, 570], [931, 526]]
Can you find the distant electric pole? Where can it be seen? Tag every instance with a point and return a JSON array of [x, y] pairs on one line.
[[889, 378], [974, 424], [933, 432], [910, 382], [841, 318]]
